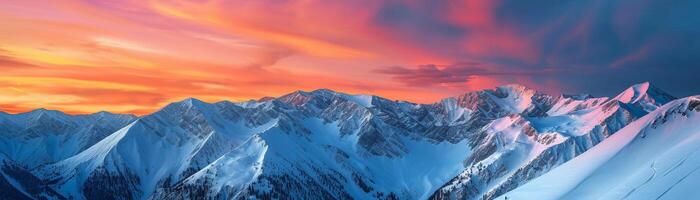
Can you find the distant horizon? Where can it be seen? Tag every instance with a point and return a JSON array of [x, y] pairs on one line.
[[309, 91]]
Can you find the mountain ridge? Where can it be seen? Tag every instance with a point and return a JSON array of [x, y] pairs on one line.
[[321, 90], [342, 144]]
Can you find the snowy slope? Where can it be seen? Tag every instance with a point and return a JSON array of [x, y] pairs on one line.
[[570, 127], [655, 157], [323, 145], [189, 132], [329, 148], [17, 182], [45, 136]]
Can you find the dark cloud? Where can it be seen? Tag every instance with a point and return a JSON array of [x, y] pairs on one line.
[[612, 43], [418, 21], [421, 25], [431, 74]]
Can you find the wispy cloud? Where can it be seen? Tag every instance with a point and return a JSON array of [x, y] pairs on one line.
[[134, 56], [432, 74]]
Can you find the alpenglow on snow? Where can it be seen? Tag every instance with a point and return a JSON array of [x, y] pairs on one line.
[[508, 142]]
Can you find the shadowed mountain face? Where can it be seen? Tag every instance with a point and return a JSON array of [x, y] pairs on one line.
[[314, 145], [47, 136]]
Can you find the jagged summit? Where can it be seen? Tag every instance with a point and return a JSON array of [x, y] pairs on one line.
[[301, 97], [266, 98], [43, 111], [321, 92], [633, 93], [503, 90], [316, 92], [511, 98], [640, 91], [186, 104], [191, 101], [645, 96]]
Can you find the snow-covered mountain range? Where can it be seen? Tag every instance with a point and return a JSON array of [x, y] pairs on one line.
[[508, 142]]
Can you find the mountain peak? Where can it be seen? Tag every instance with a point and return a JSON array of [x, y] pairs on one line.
[[324, 91], [644, 96], [639, 91], [266, 98], [513, 90], [187, 103], [44, 112], [319, 92], [300, 97], [644, 84], [514, 98], [39, 110], [308, 93], [503, 90], [192, 100]]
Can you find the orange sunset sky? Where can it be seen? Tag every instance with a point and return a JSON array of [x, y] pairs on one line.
[[136, 56]]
